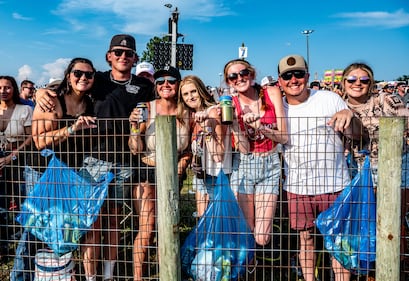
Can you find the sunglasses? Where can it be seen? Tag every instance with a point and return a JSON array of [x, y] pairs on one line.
[[119, 52], [363, 79], [234, 76], [296, 73], [78, 73], [161, 80]]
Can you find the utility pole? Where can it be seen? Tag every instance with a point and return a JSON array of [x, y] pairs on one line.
[[307, 33], [174, 25]]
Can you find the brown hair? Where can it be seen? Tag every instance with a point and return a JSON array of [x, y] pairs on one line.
[[16, 93], [64, 87]]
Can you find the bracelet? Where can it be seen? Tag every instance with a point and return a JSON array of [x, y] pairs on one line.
[[208, 132], [135, 131], [70, 131]]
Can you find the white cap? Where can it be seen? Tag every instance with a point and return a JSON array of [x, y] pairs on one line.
[[268, 80], [144, 67]]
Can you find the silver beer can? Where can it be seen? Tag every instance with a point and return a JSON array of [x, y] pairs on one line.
[[143, 107]]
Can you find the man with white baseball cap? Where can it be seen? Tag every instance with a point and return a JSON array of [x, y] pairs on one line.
[[145, 69]]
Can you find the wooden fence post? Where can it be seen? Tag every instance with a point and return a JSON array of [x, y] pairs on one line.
[[389, 198], [167, 198]]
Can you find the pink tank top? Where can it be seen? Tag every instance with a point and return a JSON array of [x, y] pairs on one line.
[[258, 141]]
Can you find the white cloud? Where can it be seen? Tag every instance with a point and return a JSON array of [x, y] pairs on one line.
[[53, 70], [24, 72], [396, 19], [144, 17], [17, 16]]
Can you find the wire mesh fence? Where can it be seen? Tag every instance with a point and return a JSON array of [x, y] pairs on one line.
[[113, 233]]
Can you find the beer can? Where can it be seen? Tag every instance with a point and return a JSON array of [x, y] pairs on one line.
[[143, 107]]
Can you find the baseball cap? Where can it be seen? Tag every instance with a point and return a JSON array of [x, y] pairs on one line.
[[315, 83], [268, 80], [53, 83], [123, 40], [168, 70], [144, 67], [292, 62]]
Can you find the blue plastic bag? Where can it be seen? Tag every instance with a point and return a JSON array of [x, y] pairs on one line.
[[349, 225], [221, 244], [352, 164], [62, 206]]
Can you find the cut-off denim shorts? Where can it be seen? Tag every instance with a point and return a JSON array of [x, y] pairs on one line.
[[257, 174]]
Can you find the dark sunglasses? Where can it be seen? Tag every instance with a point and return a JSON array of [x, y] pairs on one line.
[[243, 73], [363, 79], [297, 74], [161, 80], [119, 52], [78, 73]]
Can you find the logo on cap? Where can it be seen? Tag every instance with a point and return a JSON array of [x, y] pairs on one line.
[[291, 61], [124, 43]]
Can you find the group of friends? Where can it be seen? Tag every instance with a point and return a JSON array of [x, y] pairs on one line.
[[94, 114]]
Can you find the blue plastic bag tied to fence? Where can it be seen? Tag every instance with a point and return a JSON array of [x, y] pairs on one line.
[[221, 244], [349, 225], [62, 205]]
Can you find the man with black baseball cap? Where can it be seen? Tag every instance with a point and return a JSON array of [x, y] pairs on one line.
[[116, 93]]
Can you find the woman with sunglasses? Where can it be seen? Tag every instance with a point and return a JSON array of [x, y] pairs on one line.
[[142, 140], [260, 115], [74, 109], [357, 84], [69, 137]]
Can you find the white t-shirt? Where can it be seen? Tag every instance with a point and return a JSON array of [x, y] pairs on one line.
[[15, 130], [314, 155]]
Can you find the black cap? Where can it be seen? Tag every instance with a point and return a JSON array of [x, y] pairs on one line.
[[315, 83], [123, 40], [168, 70]]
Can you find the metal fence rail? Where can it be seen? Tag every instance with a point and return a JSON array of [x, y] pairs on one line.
[[278, 260]]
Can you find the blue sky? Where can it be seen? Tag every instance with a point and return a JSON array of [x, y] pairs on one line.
[[38, 38]]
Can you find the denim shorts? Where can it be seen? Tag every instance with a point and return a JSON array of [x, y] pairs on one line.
[[206, 185], [257, 174], [405, 171]]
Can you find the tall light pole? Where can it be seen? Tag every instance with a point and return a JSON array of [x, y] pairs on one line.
[[173, 26], [307, 33]]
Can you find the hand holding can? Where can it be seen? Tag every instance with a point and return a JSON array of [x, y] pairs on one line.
[[143, 111], [226, 105]]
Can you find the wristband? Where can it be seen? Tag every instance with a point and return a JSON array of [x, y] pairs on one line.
[[208, 131], [134, 131], [70, 131]]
